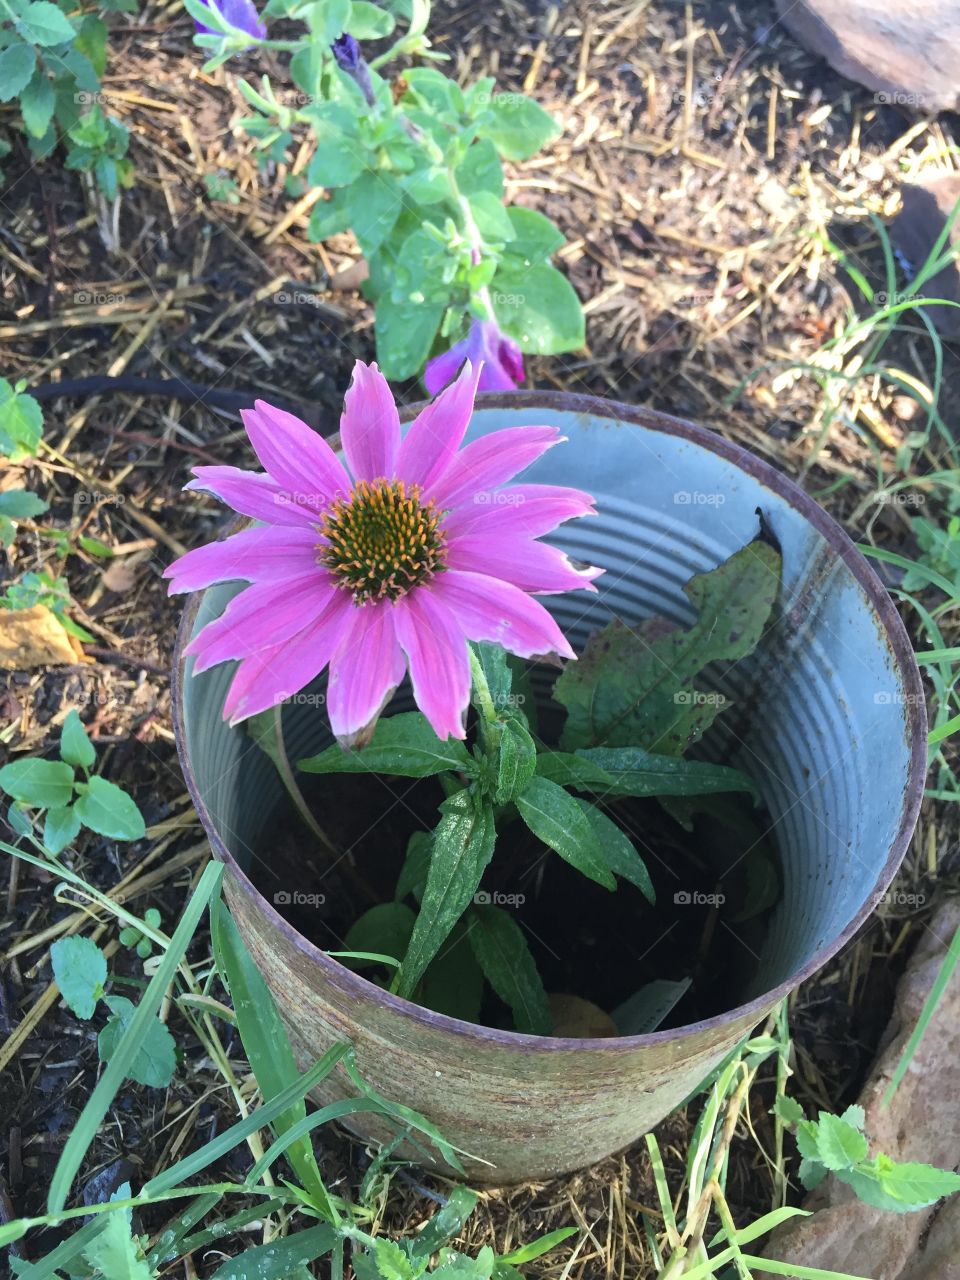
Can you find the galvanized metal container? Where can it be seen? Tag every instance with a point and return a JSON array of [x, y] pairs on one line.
[[830, 723]]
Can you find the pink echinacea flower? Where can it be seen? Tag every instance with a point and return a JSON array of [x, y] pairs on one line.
[[392, 559]]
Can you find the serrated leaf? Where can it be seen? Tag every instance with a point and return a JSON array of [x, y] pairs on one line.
[[403, 745], [41, 784], [80, 971], [839, 1145], [75, 747], [17, 62], [37, 101], [503, 955], [915, 1185], [41, 22], [60, 828], [634, 687], [105, 808], [461, 848], [156, 1059], [811, 1173], [21, 418], [114, 1252], [618, 850], [788, 1110], [21, 504], [556, 818]]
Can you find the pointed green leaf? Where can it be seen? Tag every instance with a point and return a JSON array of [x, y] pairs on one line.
[[156, 1057], [403, 745], [503, 955], [41, 784], [618, 850], [557, 819], [75, 747], [60, 828], [105, 808], [839, 1145]]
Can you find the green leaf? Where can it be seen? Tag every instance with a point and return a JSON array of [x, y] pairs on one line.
[[41, 22], [338, 159], [490, 216], [60, 828], [535, 237], [413, 874], [21, 418], [916, 1185], [75, 747], [812, 1173], [839, 1145], [405, 334], [37, 101], [105, 808], [91, 40], [618, 851], [281, 1259], [385, 928], [445, 1225], [41, 784], [156, 1057], [267, 1046], [518, 126], [634, 687], [497, 673], [788, 1110], [538, 308], [376, 199], [537, 1248], [403, 745], [114, 1252], [503, 955], [368, 21], [453, 982], [392, 1262], [631, 771], [461, 848], [80, 971], [480, 170], [516, 761], [21, 504], [557, 819]]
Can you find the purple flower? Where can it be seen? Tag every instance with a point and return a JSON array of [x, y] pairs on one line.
[[347, 52], [502, 360], [392, 559], [241, 14]]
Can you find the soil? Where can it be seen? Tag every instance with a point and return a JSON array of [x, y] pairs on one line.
[[704, 163]]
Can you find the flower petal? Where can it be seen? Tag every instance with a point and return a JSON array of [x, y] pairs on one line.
[[253, 494], [253, 555], [444, 368], [430, 446], [366, 668], [275, 674], [260, 617], [527, 510], [370, 424], [531, 566], [436, 648], [491, 461], [295, 456], [490, 609]]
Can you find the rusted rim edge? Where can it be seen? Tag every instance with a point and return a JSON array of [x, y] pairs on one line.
[[566, 402]]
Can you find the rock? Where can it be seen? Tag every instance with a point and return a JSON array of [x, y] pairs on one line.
[[921, 1123], [926, 206], [907, 51]]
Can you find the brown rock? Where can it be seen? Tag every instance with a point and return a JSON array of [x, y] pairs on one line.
[[921, 1123], [907, 51], [926, 207]]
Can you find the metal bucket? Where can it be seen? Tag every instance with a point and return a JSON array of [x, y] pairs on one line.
[[831, 727]]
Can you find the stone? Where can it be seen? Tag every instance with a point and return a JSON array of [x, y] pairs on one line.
[[927, 204], [921, 1123], [907, 51]]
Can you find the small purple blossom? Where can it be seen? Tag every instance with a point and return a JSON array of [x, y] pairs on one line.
[[501, 358], [241, 14], [346, 50]]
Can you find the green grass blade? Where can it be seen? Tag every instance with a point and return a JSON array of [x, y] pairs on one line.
[[950, 961], [129, 1045]]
